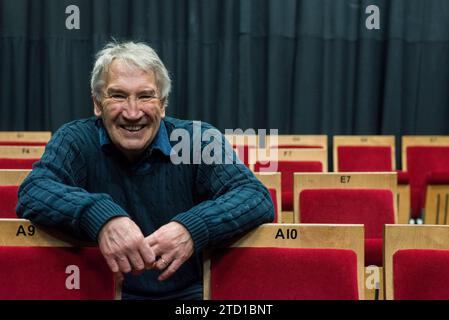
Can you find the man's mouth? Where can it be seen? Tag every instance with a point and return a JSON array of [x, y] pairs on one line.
[[133, 128]]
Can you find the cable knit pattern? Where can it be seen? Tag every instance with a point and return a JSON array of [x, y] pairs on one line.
[[80, 184]]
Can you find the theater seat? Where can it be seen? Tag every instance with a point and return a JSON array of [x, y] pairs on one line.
[[287, 169], [375, 153], [297, 141], [364, 159], [22, 143], [288, 262], [272, 181], [437, 198], [421, 274], [38, 273], [37, 263], [8, 201], [24, 138], [417, 262], [284, 274], [370, 207], [420, 162], [17, 163], [10, 180]]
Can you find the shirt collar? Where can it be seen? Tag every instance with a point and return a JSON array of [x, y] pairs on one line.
[[160, 142]]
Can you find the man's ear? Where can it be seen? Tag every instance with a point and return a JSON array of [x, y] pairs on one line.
[[98, 108], [163, 107]]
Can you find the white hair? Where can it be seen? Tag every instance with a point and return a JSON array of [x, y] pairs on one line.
[[139, 54]]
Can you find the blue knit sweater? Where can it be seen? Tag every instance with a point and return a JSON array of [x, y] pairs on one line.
[[82, 181]]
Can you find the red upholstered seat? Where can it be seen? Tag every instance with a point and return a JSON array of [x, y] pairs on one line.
[[273, 195], [371, 207], [421, 274], [17, 163], [22, 143], [364, 158], [35, 273], [8, 201], [438, 177], [287, 168], [420, 161], [283, 274], [403, 177]]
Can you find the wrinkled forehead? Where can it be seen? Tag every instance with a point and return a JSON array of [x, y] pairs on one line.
[[126, 73]]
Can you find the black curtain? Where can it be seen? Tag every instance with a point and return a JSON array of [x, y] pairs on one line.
[[303, 67]]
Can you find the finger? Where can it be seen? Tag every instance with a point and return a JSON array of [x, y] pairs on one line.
[[112, 264], [136, 261], [147, 254], [123, 264], [151, 239], [171, 269], [119, 276], [162, 263]]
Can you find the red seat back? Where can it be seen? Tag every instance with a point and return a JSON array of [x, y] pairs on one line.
[[421, 274], [283, 274], [364, 159], [8, 201], [22, 143], [372, 207], [422, 160], [6, 163], [35, 273], [287, 168]]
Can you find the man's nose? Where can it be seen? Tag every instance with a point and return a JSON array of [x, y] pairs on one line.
[[132, 110]]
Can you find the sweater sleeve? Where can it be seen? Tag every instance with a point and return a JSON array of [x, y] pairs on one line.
[[237, 202], [53, 193]]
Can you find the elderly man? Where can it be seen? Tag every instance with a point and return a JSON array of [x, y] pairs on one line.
[[110, 179]]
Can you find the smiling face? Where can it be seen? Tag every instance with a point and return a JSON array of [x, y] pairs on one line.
[[130, 113]]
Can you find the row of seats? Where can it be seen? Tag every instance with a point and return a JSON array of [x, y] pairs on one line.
[[318, 261], [425, 163], [295, 261]]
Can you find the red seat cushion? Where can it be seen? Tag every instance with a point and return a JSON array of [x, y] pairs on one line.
[[403, 177], [364, 158], [438, 177], [420, 274], [371, 207], [8, 201], [283, 274], [273, 194], [22, 143], [17, 163], [420, 161], [287, 168], [373, 252], [35, 273]]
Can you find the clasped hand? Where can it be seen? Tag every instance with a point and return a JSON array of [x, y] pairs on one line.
[[127, 250]]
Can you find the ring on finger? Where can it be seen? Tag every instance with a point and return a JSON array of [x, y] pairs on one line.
[[164, 262]]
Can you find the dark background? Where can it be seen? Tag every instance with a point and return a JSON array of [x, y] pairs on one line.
[[303, 67]]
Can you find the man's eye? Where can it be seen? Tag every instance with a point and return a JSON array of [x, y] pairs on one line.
[[118, 96], [146, 97]]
